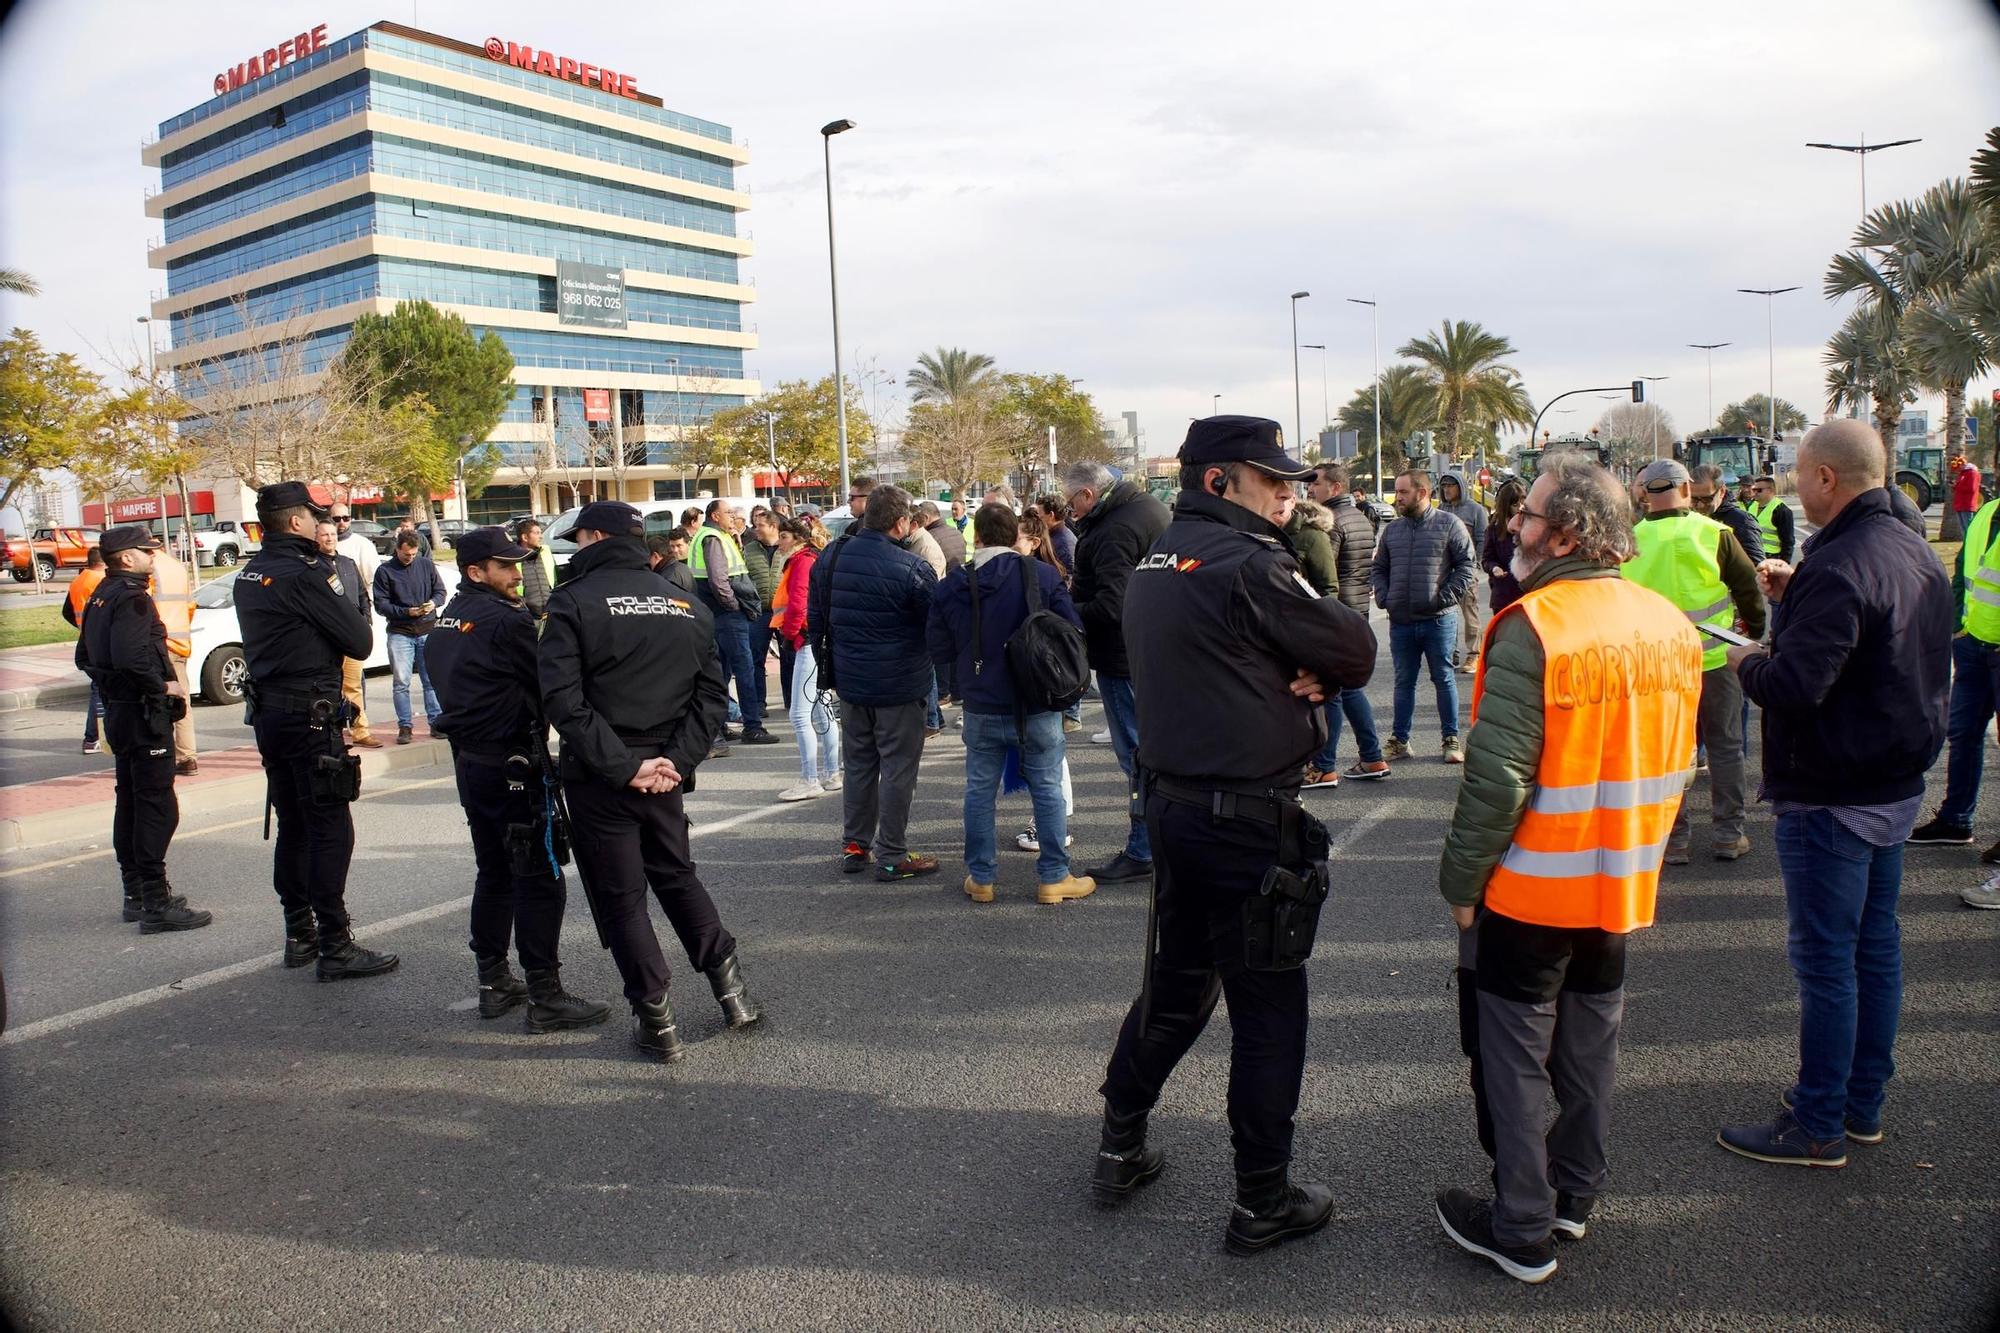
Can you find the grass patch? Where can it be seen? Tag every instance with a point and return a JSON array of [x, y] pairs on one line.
[[27, 626]]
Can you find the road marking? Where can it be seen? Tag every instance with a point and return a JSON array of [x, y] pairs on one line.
[[1365, 823], [229, 972]]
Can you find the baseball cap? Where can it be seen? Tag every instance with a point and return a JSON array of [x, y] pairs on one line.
[[1258, 441], [612, 517], [482, 544], [1662, 474], [132, 537]]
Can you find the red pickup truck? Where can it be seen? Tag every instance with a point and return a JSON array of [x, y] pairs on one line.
[[50, 548]]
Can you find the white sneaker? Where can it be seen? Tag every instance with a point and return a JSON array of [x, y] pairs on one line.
[[805, 791], [831, 782], [1028, 842], [1101, 738], [1986, 896]]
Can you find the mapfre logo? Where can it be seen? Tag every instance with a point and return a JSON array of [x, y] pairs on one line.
[[1171, 563], [648, 606]]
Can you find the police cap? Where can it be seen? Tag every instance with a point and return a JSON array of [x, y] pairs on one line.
[[483, 544], [1258, 441], [283, 495], [614, 518], [132, 537]]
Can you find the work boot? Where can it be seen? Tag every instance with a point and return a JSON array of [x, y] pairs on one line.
[[1270, 1209], [341, 959], [654, 1030], [499, 989], [552, 1009], [726, 979], [135, 901], [301, 939], [1124, 1162], [159, 911]]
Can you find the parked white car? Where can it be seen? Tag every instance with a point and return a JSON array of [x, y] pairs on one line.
[[658, 515], [226, 545], [217, 668]]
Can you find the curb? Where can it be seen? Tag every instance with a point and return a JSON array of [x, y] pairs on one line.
[[32, 831], [20, 701]]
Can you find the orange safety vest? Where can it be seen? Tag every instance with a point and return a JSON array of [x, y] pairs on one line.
[[1620, 693], [175, 603], [80, 588]]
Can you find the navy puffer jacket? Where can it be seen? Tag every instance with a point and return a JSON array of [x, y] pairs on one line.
[[865, 616]]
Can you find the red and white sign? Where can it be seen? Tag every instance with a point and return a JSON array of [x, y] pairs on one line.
[[140, 508], [257, 66], [562, 67], [597, 404]]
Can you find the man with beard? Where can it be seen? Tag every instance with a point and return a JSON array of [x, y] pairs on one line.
[[1584, 712]]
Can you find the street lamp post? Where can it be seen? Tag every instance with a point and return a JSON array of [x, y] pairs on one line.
[[1325, 404], [1861, 151], [1375, 339], [1298, 413], [771, 445], [827, 131], [1215, 405], [1710, 349], [1771, 353], [1655, 379]]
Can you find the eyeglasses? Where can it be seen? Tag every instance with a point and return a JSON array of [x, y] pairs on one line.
[[1703, 500], [1526, 512], [343, 518]]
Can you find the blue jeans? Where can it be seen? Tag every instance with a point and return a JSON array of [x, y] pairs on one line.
[[1846, 950], [1121, 717], [1975, 687], [93, 715], [934, 715], [988, 737], [1413, 645], [1360, 714], [406, 651], [732, 643], [816, 724]]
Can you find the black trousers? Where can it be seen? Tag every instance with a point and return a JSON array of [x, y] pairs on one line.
[[1204, 869], [146, 815], [528, 908], [627, 841], [787, 655], [315, 838]]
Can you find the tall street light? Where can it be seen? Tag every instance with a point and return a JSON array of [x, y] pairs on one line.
[[1771, 363], [1298, 413], [1655, 379], [827, 131], [1215, 405], [1325, 406], [1861, 151], [1710, 349], [1375, 337]]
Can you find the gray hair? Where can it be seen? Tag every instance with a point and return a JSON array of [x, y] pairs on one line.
[[1094, 476], [1707, 472], [1589, 505], [927, 511]]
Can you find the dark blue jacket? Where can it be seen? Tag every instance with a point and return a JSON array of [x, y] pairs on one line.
[[398, 587], [1855, 689], [1003, 605], [869, 600]]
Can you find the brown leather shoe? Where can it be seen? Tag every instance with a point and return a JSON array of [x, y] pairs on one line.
[[912, 865], [187, 768], [367, 743]]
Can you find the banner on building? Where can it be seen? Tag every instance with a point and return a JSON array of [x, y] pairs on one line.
[[597, 404], [590, 294]]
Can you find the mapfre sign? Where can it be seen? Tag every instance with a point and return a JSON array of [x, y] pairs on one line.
[[562, 67], [284, 53]]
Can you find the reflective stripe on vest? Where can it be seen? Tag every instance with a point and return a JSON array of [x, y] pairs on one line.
[[1677, 560], [1982, 577], [174, 602], [1621, 686], [1762, 513], [698, 558]]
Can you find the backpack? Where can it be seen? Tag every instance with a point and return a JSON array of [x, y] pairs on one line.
[[1046, 657]]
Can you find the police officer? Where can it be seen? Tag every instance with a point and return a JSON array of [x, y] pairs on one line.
[[298, 623], [481, 656], [1231, 651], [631, 681], [123, 649]]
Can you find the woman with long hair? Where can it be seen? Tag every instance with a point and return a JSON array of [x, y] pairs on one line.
[[1034, 541], [1498, 552], [814, 721]]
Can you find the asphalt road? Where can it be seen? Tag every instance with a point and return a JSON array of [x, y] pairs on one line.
[[46, 741], [905, 1142]]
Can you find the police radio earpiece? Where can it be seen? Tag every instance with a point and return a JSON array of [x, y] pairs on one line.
[[1219, 485]]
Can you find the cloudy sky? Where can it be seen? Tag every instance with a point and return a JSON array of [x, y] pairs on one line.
[[1127, 193]]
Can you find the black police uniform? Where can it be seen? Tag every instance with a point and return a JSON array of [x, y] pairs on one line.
[[298, 623], [123, 649], [629, 672], [482, 663], [1217, 622]]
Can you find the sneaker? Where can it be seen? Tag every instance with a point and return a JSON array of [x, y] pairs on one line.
[[1677, 853], [1937, 833], [804, 791], [403, 736], [1468, 1220], [1100, 738], [732, 732], [1319, 777], [1028, 842], [92, 747], [1069, 886], [932, 733], [1395, 749], [910, 866], [1454, 752], [718, 751], [1986, 897], [1783, 1142], [1363, 771], [979, 893], [758, 736], [853, 859], [832, 781], [1071, 726], [1991, 856], [1573, 1215], [1732, 851], [1865, 1132], [1468, 668]]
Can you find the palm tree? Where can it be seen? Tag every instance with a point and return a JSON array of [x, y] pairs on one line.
[[1463, 364], [14, 280], [1867, 366], [949, 375], [1408, 406]]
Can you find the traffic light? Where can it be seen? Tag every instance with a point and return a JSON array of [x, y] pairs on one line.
[[1638, 391]]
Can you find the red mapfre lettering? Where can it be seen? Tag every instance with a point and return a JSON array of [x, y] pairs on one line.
[[284, 53], [628, 86], [521, 57]]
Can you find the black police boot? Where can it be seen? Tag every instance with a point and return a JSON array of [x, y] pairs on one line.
[[340, 959], [301, 939], [553, 1008], [135, 901], [160, 910], [499, 989], [1269, 1209], [726, 979], [1124, 1162], [654, 1030]]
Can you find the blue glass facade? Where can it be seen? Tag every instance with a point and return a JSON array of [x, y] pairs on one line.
[[664, 340]]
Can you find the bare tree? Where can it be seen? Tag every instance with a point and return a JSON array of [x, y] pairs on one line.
[[961, 440], [1632, 429]]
